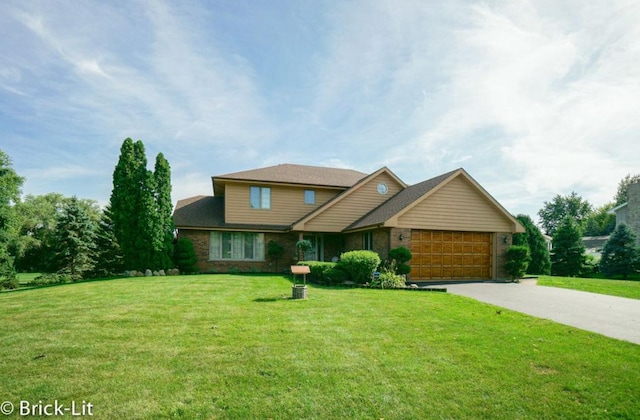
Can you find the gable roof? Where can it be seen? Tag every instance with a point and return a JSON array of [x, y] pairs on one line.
[[411, 196], [398, 202], [297, 225], [298, 174]]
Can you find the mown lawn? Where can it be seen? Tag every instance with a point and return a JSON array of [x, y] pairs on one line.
[[622, 288], [224, 346]]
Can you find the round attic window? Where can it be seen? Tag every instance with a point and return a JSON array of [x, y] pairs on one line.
[[382, 188]]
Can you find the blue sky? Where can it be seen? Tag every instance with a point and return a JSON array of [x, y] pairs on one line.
[[532, 98]]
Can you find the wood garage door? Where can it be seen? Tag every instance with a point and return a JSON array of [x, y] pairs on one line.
[[445, 255]]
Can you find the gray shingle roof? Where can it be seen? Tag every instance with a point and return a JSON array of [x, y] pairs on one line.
[[299, 174], [398, 202], [208, 212]]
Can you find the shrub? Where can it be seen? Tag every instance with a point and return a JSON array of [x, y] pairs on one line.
[[517, 260], [50, 278], [9, 283], [359, 265], [319, 270], [185, 256], [336, 275]]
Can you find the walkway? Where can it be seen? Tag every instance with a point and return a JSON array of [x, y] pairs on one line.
[[608, 315]]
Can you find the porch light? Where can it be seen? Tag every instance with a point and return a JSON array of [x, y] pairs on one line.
[[505, 239], [401, 236]]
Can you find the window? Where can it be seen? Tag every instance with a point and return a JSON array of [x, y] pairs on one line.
[[367, 241], [236, 246], [260, 197], [309, 197]]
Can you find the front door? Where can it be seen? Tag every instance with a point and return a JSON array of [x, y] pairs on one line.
[[316, 253]]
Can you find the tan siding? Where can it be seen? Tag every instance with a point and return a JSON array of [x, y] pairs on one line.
[[456, 206], [352, 207], [287, 204]]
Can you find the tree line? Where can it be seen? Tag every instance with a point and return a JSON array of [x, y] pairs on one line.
[[75, 238], [567, 219]]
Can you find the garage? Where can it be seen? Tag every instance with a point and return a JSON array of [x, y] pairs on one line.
[[448, 255]]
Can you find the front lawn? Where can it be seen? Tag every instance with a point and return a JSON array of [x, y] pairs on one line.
[[225, 346], [622, 288]]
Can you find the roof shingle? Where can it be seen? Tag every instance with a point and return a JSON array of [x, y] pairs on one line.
[[299, 174]]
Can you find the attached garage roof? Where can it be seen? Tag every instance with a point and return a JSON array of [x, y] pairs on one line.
[[411, 196], [399, 202]]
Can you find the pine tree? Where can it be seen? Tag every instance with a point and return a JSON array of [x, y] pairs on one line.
[[109, 259], [532, 238], [75, 240], [568, 255], [164, 208], [620, 254]]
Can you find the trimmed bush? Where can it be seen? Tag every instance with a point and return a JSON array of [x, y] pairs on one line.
[[359, 265], [185, 256], [401, 256], [318, 270]]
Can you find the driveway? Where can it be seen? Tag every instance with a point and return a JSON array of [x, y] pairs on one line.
[[607, 315]]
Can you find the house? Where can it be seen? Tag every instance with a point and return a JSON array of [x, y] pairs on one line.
[[454, 228], [629, 212]]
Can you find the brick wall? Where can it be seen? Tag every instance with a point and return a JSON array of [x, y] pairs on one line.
[[200, 239]]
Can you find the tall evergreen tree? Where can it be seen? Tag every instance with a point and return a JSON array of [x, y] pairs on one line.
[[164, 207], [620, 254], [75, 240], [141, 209], [124, 203], [10, 184], [540, 262], [568, 254]]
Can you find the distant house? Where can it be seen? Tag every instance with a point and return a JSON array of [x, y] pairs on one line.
[[594, 245], [629, 212], [453, 227]]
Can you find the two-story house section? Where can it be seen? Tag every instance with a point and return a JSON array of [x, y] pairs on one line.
[[453, 227]]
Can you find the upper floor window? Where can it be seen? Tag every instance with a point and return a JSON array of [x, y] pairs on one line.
[[260, 197], [309, 197]]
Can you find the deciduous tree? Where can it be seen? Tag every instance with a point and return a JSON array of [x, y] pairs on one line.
[[552, 214]]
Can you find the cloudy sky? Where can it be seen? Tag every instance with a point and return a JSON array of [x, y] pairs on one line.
[[532, 98]]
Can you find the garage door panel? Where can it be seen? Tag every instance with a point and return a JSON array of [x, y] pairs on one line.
[[443, 255]]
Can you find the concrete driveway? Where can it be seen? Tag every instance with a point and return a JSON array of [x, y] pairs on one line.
[[607, 315]]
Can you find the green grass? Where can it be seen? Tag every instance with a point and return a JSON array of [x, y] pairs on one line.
[[622, 288], [24, 278], [223, 346]]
